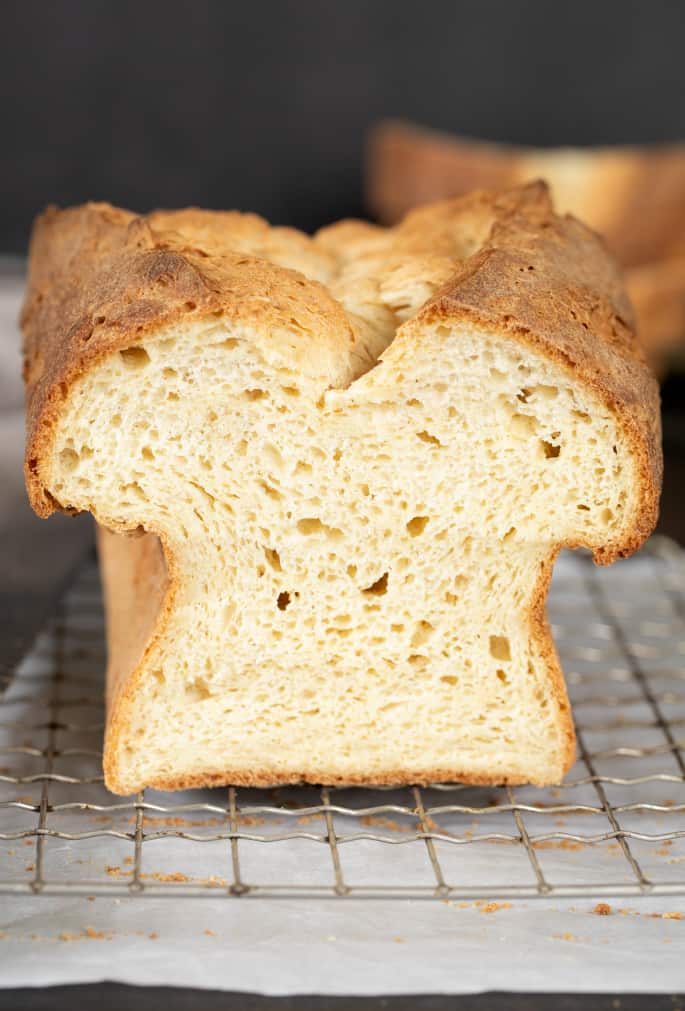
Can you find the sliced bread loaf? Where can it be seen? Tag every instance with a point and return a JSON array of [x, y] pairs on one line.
[[334, 475]]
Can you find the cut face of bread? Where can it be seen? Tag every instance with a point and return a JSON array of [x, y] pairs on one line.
[[343, 535]]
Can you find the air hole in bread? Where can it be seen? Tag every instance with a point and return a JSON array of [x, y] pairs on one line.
[[378, 587], [550, 450], [523, 425], [427, 437], [254, 394], [135, 358], [197, 690], [500, 648], [417, 525], [283, 600], [273, 558], [69, 459], [313, 525], [269, 490], [422, 633]]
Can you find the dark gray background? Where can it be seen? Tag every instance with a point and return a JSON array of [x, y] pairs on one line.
[[264, 104]]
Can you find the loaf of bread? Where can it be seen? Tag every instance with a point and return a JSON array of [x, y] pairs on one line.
[[333, 474], [633, 196]]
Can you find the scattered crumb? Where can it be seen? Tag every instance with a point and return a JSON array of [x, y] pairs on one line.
[[492, 907], [602, 909], [64, 936], [673, 916], [564, 937], [104, 818], [30, 867], [29, 842], [114, 870], [90, 898], [178, 822], [666, 940], [128, 860], [94, 934], [433, 826], [210, 933], [175, 876], [373, 822], [558, 844], [398, 940], [214, 881], [153, 936]]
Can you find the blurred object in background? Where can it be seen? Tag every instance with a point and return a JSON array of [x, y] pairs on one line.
[[634, 196]]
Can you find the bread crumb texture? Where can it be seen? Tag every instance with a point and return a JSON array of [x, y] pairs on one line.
[[332, 475]]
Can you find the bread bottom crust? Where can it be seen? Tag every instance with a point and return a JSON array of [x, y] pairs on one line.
[[264, 779]]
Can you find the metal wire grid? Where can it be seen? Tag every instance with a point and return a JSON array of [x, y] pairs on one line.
[[621, 636]]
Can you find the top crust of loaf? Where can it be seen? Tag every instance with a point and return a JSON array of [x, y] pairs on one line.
[[101, 279], [634, 195]]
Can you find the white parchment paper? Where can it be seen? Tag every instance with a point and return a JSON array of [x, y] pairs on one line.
[[370, 946]]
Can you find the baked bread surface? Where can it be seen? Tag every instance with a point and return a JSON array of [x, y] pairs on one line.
[[349, 462]]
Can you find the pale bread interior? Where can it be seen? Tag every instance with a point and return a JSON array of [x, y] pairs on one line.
[[354, 568]]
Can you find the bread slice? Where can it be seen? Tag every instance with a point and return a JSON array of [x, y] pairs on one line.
[[634, 196], [336, 472]]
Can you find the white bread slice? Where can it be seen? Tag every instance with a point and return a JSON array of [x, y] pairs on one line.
[[633, 196], [360, 454]]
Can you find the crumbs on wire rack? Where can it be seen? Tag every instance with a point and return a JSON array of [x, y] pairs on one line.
[[115, 871]]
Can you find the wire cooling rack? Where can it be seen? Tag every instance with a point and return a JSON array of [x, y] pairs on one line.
[[615, 827]]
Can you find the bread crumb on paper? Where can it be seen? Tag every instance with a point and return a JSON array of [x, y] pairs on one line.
[[602, 909], [209, 933], [371, 821], [493, 907]]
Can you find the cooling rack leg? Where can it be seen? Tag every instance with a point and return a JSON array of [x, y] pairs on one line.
[[441, 888], [237, 887]]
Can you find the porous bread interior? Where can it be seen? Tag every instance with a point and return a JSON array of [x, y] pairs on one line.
[[354, 568]]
